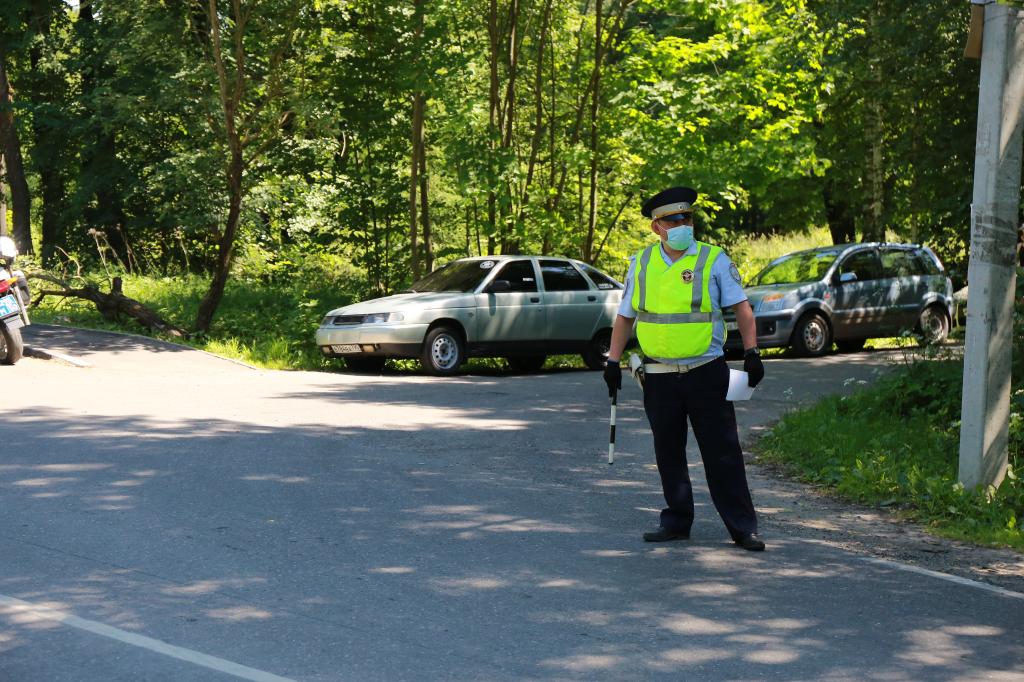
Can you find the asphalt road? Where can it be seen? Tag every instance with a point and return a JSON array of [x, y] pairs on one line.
[[168, 515]]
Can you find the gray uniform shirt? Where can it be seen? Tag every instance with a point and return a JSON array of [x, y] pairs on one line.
[[725, 290]]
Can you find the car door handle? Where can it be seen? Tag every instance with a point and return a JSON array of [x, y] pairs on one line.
[[535, 299], [591, 298]]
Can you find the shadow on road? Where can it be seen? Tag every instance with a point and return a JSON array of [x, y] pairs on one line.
[[440, 551]]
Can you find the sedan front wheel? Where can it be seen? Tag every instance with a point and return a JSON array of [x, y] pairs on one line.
[[443, 352]]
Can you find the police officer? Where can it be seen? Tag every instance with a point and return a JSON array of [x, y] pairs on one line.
[[676, 291]]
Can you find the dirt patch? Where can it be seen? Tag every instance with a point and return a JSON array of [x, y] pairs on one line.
[[790, 508]]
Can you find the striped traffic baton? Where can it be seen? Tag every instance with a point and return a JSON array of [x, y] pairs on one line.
[[611, 429]]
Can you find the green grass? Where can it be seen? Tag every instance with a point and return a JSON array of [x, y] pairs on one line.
[[896, 444], [269, 325]]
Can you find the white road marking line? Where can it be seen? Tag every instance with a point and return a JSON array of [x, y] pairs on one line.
[[917, 569], [944, 576], [18, 606]]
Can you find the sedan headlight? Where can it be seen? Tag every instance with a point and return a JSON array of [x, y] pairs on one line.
[[772, 302], [374, 318]]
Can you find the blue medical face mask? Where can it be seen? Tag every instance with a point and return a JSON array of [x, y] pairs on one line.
[[679, 238]]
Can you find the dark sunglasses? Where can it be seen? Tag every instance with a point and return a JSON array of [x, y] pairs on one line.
[[677, 217]]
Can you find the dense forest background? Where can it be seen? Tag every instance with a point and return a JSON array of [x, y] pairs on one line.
[[385, 136]]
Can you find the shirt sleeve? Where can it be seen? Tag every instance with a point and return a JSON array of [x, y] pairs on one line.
[[730, 286], [626, 305]]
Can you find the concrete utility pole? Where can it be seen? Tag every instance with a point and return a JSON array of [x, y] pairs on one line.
[[991, 276]]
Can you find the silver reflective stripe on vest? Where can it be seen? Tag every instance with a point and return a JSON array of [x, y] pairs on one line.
[[672, 318], [698, 277], [645, 258]]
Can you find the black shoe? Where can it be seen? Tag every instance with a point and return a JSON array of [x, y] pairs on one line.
[[750, 542], [664, 535]]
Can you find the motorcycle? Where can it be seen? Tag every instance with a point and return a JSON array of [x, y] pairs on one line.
[[14, 297]]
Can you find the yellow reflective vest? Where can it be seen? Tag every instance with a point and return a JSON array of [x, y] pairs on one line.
[[673, 302]]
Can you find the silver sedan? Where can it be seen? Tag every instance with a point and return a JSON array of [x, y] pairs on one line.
[[523, 308]]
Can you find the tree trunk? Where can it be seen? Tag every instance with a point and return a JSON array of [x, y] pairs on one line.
[[10, 147], [874, 229], [549, 204], [612, 41], [595, 100], [492, 125], [611, 226], [230, 98], [538, 114], [414, 169], [99, 156], [226, 247], [46, 148], [839, 217], [428, 252], [53, 197], [416, 137], [510, 237]]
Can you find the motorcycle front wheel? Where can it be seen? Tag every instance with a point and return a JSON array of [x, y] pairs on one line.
[[11, 345]]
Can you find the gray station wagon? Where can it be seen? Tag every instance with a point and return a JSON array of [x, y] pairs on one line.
[[848, 294], [523, 308]]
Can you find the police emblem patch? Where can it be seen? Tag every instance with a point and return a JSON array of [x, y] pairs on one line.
[[735, 272], [687, 276]]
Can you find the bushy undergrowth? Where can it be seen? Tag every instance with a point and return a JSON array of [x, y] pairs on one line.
[[269, 314]]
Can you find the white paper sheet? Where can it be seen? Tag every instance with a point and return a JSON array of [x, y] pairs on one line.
[[739, 388]]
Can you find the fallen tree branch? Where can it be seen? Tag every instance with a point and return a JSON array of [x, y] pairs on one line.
[[111, 305]]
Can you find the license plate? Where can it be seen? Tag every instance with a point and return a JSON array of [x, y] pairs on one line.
[[8, 306], [731, 326], [347, 348]]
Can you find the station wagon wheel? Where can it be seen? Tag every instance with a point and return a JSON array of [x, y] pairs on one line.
[[933, 325], [812, 336], [596, 354], [443, 352]]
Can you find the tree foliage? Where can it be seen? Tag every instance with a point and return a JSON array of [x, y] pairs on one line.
[[400, 133]]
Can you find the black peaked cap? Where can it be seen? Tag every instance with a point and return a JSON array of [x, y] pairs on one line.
[[673, 195]]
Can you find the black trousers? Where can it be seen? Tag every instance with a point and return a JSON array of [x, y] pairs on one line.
[[699, 395]]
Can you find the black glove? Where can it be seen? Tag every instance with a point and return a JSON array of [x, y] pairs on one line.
[[753, 367], [613, 377]]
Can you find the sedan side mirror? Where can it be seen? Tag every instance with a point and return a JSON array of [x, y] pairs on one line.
[[847, 277], [498, 286]]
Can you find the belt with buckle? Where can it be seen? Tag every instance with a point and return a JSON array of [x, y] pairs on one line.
[[665, 368]]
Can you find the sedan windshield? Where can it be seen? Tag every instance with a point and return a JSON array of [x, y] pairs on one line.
[[809, 266], [460, 275]]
